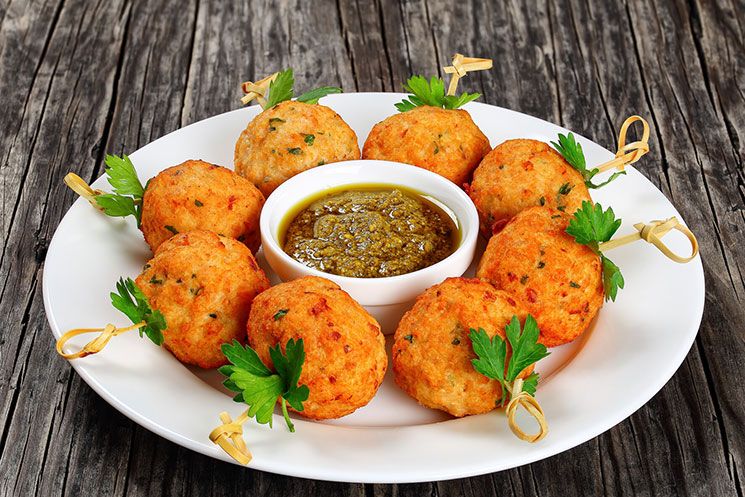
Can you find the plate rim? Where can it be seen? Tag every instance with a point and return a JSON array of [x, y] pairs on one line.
[[369, 476]]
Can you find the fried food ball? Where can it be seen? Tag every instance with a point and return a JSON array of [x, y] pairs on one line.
[[345, 358], [203, 284], [519, 174], [290, 138], [198, 195], [443, 141], [558, 280], [432, 352]]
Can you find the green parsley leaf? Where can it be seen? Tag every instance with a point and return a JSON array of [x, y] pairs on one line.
[[491, 354], [258, 387], [122, 176], [259, 392], [431, 93], [455, 102], [494, 362], [128, 190], [572, 152], [591, 225], [130, 300], [524, 345], [280, 89], [612, 278], [530, 383], [312, 96], [116, 205]]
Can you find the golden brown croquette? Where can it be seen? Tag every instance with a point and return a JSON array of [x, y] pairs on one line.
[[203, 284], [290, 138], [432, 352], [198, 195], [443, 141], [522, 173], [557, 280], [345, 350]]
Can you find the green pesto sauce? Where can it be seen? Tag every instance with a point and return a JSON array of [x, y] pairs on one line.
[[369, 231]]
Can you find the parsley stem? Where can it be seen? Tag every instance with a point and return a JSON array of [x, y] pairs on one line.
[[287, 415]]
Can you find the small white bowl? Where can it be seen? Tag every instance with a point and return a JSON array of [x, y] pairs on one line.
[[371, 291]]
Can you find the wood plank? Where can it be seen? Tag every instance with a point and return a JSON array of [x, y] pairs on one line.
[[66, 103], [158, 67]]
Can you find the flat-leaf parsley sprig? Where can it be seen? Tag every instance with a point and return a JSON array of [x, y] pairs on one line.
[[504, 360], [130, 300], [591, 226], [256, 385], [279, 87], [627, 154], [126, 198], [432, 93]]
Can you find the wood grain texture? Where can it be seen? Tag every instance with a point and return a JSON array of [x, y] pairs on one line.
[[80, 79]]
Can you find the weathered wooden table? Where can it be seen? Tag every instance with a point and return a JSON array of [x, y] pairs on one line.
[[80, 78]]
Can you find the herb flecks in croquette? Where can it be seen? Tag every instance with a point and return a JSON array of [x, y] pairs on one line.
[[295, 150], [156, 281], [409, 338], [198, 203], [496, 363], [541, 265], [524, 279], [258, 387], [213, 315], [274, 122], [280, 314], [309, 139], [171, 229], [573, 284], [565, 189]]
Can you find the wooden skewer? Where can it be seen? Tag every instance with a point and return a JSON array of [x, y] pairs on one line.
[[79, 186], [461, 66], [229, 436], [257, 90], [631, 152], [521, 398], [653, 233], [97, 344]]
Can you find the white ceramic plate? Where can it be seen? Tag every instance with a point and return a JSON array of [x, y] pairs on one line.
[[633, 348]]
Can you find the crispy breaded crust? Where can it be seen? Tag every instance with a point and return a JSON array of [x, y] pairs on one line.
[[446, 142], [198, 195], [523, 173], [345, 349], [276, 144], [432, 352], [204, 285], [558, 280]]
